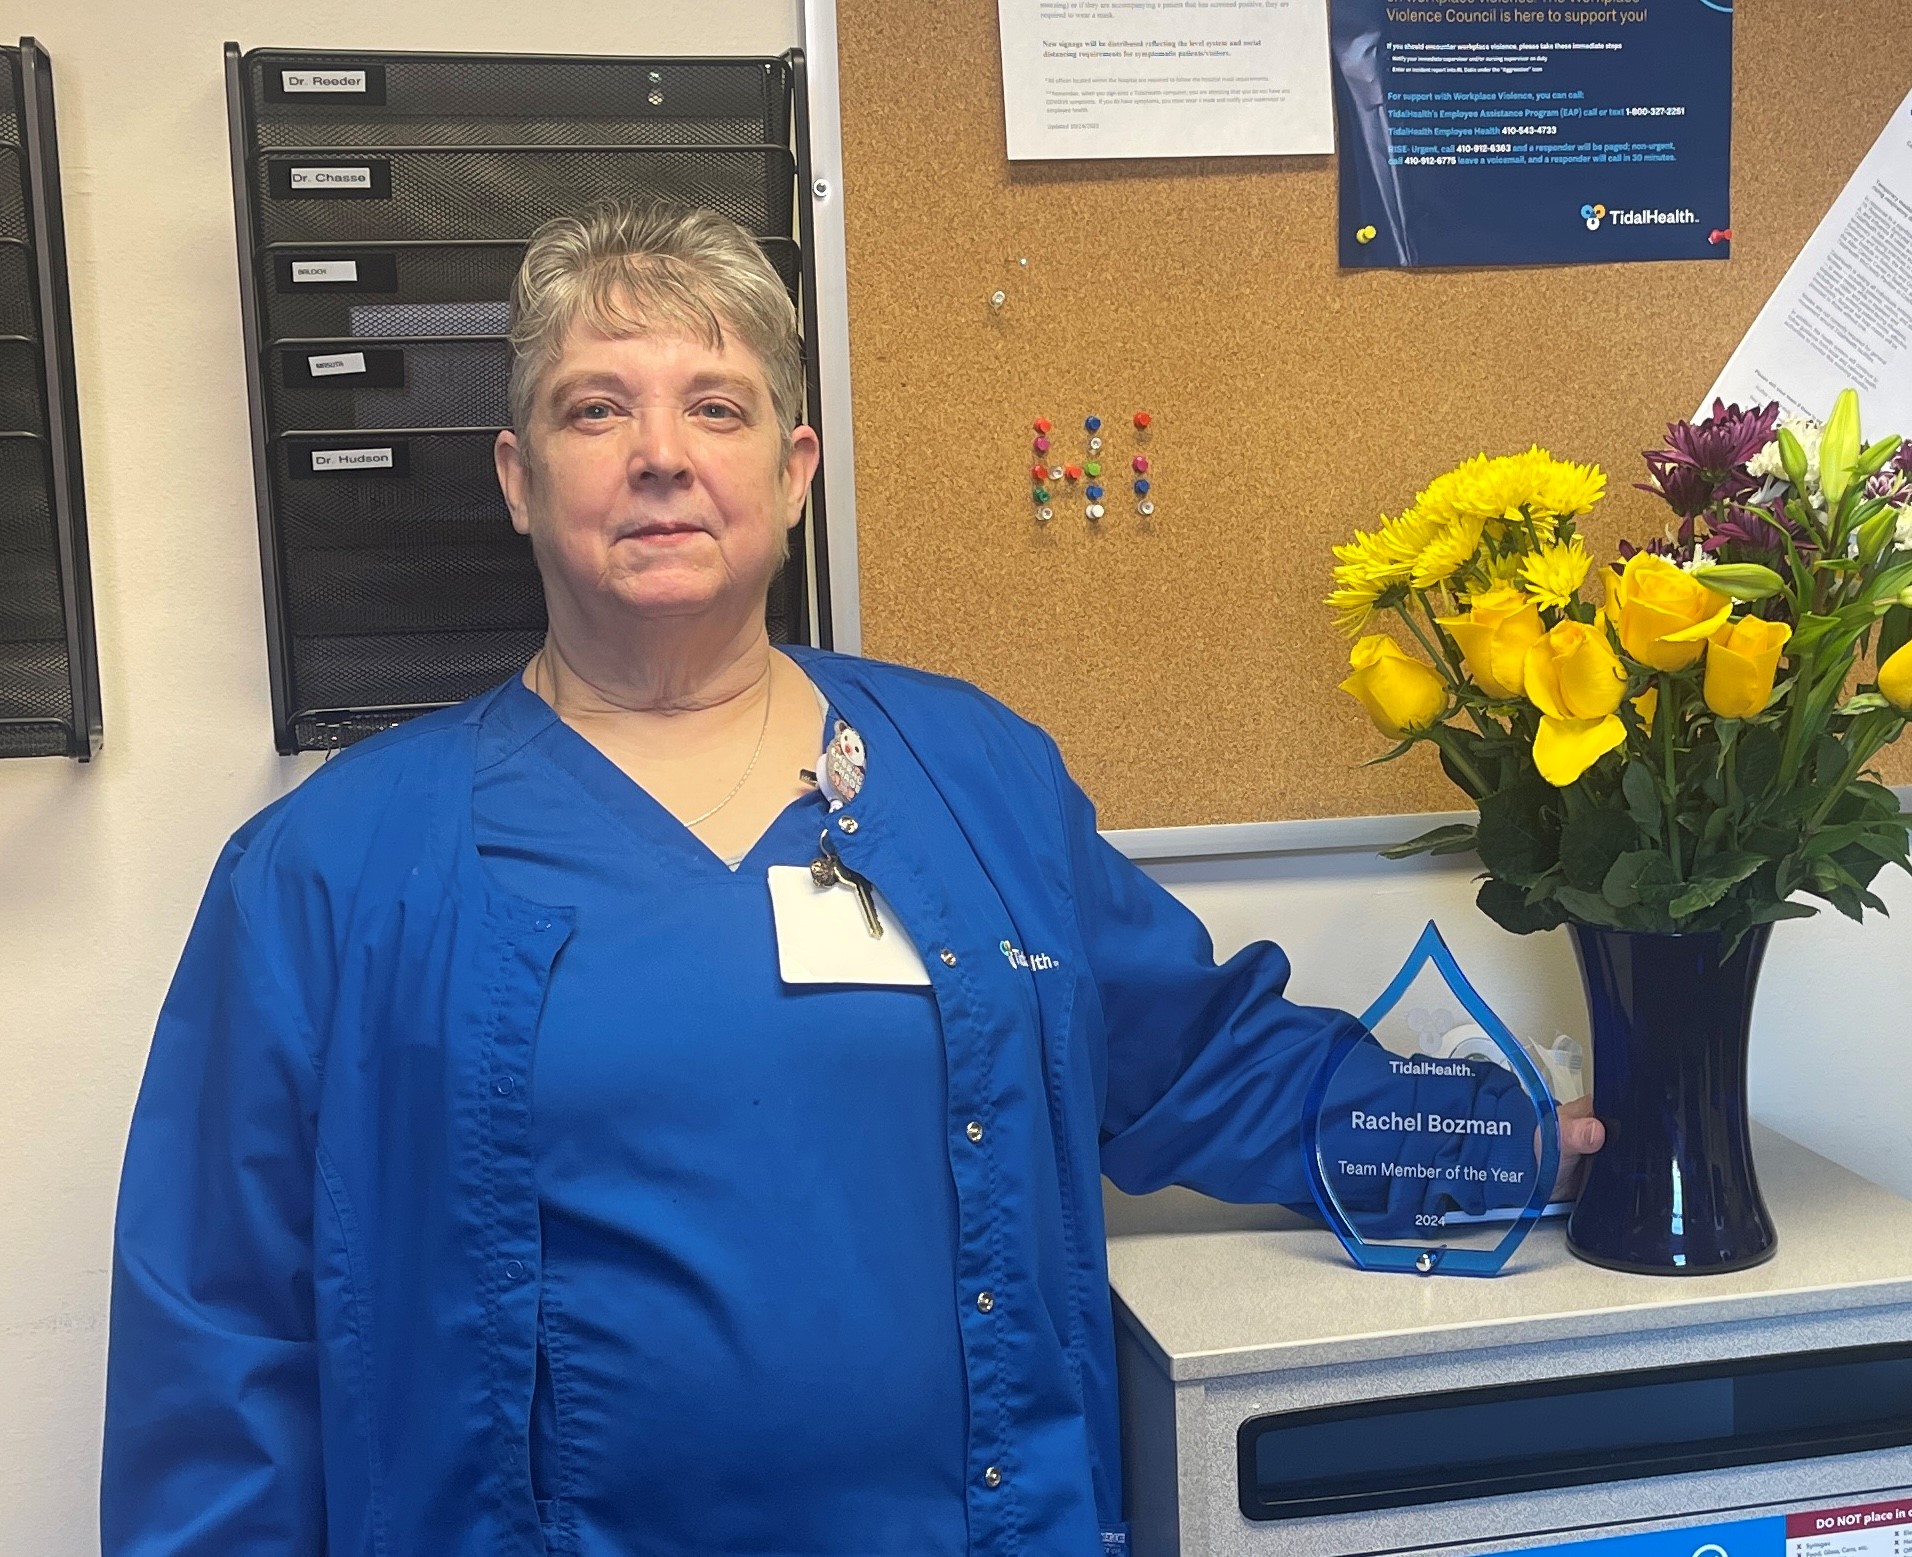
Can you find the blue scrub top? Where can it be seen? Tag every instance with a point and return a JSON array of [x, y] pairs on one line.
[[722, 1159]]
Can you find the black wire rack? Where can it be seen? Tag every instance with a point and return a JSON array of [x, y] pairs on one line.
[[383, 204], [49, 663]]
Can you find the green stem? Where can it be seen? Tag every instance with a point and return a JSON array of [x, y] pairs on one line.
[[1666, 717], [1433, 653], [1452, 672], [1864, 748], [1478, 785]]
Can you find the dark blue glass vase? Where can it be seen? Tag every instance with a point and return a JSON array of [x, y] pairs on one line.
[[1672, 1193]]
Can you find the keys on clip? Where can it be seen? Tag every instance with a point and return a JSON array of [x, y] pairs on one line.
[[828, 870]]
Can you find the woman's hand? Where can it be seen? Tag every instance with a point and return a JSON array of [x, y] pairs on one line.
[[1581, 1135]]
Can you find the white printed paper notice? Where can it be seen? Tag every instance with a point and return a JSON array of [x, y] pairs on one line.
[[1843, 314], [1165, 78]]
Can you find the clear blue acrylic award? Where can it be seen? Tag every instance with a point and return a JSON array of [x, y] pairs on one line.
[[1431, 1137]]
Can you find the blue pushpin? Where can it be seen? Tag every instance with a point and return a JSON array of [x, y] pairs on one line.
[[1094, 424], [1093, 494], [1142, 487]]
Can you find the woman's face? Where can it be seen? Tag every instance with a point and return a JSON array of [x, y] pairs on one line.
[[657, 482]]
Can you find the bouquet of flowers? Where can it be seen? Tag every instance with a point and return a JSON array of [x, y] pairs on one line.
[[1681, 742]]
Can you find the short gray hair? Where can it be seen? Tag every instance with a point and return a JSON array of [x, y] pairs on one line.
[[627, 268]]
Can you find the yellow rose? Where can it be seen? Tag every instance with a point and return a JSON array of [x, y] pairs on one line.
[[1741, 665], [1565, 748], [1501, 625], [1572, 673], [1400, 694], [1895, 679], [1663, 616]]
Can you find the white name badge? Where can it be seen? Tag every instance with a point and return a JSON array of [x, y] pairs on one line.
[[822, 939], [322, 80], [338, 363], [331, 178], [324, 270], [351, 459]]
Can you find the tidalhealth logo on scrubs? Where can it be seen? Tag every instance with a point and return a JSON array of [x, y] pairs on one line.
[[1037, 962], [1595, 215]]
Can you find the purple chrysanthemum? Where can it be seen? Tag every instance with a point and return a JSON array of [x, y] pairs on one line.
[[1705, 462]]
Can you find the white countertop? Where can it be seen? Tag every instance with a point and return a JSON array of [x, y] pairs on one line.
[[1217, 1303]]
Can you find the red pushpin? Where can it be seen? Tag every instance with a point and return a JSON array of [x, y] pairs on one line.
[[1038, 473], [1043, 424], [1073, 472], [1140, 464], [1042, 446], [1142, 419]]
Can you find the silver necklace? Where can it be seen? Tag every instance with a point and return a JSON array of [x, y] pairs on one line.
[[770, 687], [542, 664]]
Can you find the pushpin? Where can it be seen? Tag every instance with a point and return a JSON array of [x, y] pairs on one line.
[[1043, 424], [1142, 420], [1095, 445], [1140, 464], [1041, 494], [1094, 424], [1142, 487], [1145, 508], [1073, 472], [1042, 446], [1054, 472], [1038, 473], [1044, 514], [1092, 493], [1364, 235], [1094, 510], [1093, 468]]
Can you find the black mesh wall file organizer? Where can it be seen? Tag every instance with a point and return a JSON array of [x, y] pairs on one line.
[[384, 202], [49, 670]]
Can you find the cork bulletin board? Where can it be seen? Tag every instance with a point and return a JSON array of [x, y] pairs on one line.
[[1185, 663]]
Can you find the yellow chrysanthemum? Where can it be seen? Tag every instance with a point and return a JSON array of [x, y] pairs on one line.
[[1553, 575], [1372, 564], [1530, 488], [1570, 489], [1450, 551]]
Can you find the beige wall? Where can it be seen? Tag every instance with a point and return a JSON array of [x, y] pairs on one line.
[[101, 866]]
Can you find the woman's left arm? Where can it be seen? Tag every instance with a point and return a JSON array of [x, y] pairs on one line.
[[1208, 1066]]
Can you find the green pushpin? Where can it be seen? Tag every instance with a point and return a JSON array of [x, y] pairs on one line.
[[1093, 468], [1041, 494]]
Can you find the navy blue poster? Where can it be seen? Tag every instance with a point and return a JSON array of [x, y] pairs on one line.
[[1557, 133]]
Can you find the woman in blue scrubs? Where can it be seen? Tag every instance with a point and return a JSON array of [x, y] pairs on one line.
[[660, 1106]]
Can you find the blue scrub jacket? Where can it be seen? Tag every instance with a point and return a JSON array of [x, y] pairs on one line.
[[326, 1271]]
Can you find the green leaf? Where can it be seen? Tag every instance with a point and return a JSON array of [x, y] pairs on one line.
[[1590, 908], [1717, 877], [1772, 913], [1591, 842], [1518, 838], [1894, 632], [1760, 748], [1506, 905], [1453, 839], [1644, 876], [1642, 791], [1864, 703]]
